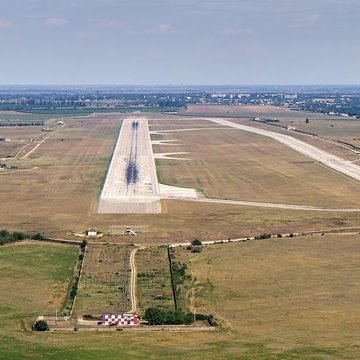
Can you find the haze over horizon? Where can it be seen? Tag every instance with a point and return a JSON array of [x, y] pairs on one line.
[[202, 42]]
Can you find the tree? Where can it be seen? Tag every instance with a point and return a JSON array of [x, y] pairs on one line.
[[4, 233], [83, 244], [38, 236], [41, 325], [179, 317], [155, 316], [19, 236]]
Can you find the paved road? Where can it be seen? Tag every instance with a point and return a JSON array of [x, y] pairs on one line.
[[343, 166]]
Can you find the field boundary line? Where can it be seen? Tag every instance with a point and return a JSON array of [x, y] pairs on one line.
[[172, 277], [79, 279], [271, 236]]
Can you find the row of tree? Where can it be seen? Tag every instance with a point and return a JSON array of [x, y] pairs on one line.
[[156, 316], [7, 237]]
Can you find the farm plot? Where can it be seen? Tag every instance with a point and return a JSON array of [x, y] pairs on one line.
[[153, 279], [105, 282]]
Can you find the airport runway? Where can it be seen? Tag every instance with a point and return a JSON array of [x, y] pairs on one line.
[[131, 184]]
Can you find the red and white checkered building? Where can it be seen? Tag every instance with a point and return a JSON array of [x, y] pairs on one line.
[[120, 319]]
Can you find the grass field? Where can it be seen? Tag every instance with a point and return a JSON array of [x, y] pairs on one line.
[[283, 299], [72, 163], [279, 299], [34, 280], [286, 293], [232, 164], [332, 128]]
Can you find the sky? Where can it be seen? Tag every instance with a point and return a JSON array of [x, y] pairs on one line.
[[180, 42]]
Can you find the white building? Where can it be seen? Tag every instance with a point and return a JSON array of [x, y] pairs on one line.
[[91, 232]]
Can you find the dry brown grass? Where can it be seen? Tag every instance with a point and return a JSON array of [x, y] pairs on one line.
[[61, 196], [236, 165], [288, 292], [331, 128], [19, 136], [21, 132], [327, 143]]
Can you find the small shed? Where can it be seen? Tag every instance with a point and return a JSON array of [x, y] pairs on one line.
[[91, 232]]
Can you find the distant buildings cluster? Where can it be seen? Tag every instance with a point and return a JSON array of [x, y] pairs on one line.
[[334, 101]]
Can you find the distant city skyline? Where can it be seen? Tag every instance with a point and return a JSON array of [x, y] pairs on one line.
[[186, 42]]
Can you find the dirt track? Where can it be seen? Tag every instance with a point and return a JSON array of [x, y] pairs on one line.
[[133, 279]]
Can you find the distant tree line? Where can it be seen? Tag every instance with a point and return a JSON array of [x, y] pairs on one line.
[[22, 123]]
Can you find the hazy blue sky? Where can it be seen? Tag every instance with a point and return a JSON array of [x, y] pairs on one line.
[[180, 41]]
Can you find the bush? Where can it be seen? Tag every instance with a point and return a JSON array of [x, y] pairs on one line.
[[4, 233], [19, 236], [263, 237], [38, 236], [196, 249], [189, 318], [41, 325], [83, 244], [196, 242], [211, 320], [90, 317], [74, 289], [202, 317]]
